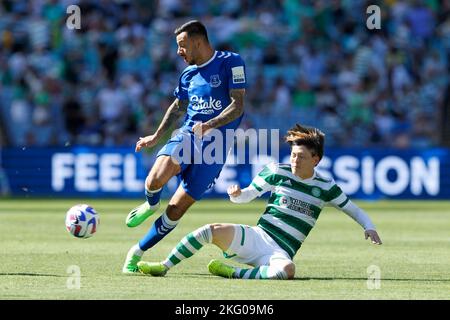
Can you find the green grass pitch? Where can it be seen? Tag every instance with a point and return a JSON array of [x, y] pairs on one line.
[[36, 252]]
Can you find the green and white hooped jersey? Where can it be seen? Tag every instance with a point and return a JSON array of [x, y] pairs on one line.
[[294, 204]]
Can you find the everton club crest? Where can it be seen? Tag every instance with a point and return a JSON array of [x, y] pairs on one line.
[[215, 81]]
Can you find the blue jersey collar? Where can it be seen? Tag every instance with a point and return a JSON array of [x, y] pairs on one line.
[[209, 61]]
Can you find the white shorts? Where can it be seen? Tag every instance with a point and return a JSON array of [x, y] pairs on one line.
[[253, 246]]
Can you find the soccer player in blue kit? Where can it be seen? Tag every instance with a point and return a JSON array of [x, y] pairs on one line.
[[210, 94]]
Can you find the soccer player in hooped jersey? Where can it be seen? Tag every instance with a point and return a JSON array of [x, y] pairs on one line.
[[210, 94], [298, 194]]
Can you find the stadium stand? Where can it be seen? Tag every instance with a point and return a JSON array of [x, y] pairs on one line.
[[314, 61]]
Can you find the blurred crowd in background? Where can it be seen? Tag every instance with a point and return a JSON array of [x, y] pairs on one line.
[[313, 62]]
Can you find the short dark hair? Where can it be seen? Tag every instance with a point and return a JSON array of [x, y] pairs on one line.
[[311, 138], [193, 28]]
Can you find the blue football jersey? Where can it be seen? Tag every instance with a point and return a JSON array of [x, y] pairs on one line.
[[207, 87]]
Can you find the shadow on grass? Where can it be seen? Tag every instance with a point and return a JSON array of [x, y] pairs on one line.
[[365, 279], [203, 275], [31, 274]]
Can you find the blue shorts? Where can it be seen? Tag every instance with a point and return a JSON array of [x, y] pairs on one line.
[[197, 175]]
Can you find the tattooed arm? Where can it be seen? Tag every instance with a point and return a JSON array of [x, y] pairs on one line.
[[232, 112], [173, 113]]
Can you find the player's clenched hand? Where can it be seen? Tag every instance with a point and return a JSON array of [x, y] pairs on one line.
[[234, 190], [373, 235], [146, 142]]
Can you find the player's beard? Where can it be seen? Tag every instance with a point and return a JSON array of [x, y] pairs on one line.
[[190, 61]]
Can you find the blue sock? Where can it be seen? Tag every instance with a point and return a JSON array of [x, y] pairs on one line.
[[160, 228], [153, 196]]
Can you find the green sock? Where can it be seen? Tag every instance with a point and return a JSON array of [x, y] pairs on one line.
[[189, 245], [261, 272]]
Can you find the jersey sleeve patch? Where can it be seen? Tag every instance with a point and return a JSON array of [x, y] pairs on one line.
[[238, 74]]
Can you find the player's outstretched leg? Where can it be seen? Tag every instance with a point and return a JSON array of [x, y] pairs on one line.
[[145, 210], [279, 272], [221, 269], [162, 226], [161, 172], [156, 269], [186, 248], [133, 257]]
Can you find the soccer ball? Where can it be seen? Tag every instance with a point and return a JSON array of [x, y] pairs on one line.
[[82, 221]]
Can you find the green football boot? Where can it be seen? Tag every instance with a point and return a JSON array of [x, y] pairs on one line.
[[140, 213], [156, 269], [131, 262], [221, 269]]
